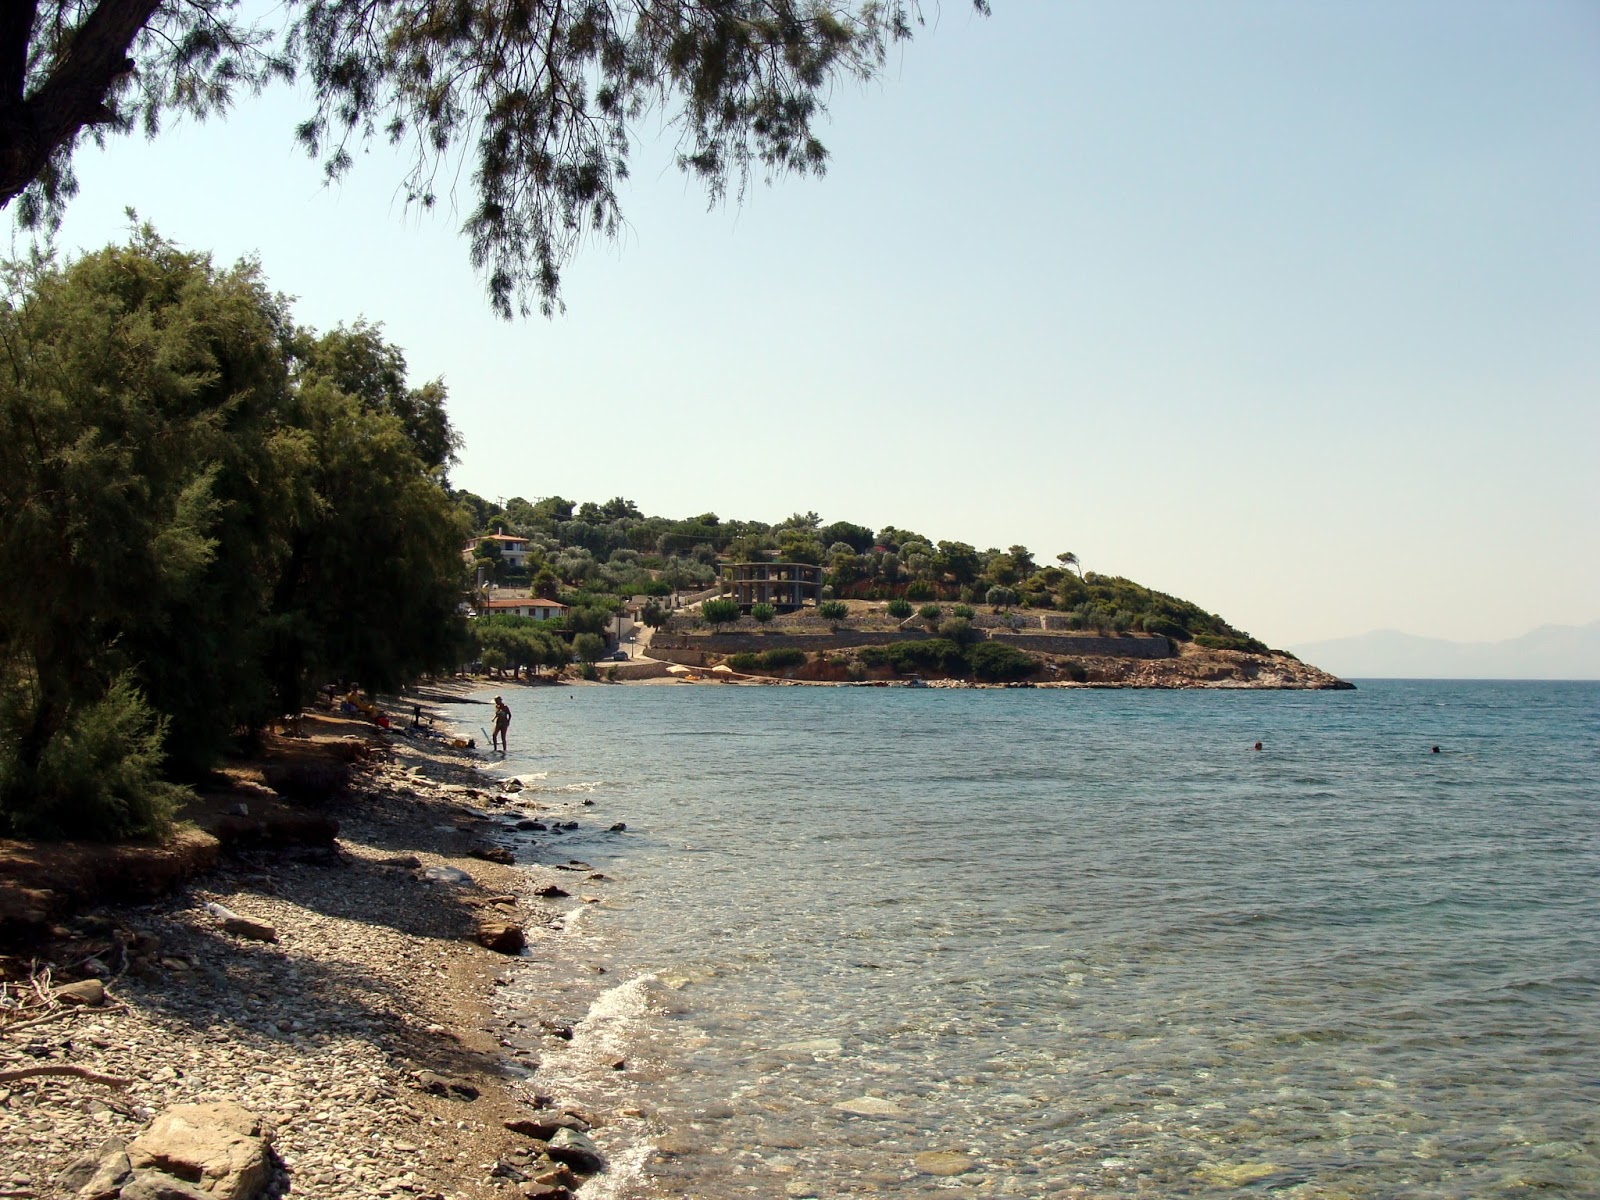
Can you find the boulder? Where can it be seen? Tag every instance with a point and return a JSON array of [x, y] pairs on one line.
[[577, 1151], [494, 854], [87, 991], [220, 1147], [244, 927], [97, 1175], [153, 1185], [545, 1124], [501, 937], [551, 891]]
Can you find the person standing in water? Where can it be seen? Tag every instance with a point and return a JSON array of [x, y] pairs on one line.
[[502, 722]]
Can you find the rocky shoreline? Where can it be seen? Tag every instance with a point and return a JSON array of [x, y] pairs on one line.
[[335, 994]]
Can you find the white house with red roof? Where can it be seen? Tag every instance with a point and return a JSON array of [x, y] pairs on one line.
[[525, 606]]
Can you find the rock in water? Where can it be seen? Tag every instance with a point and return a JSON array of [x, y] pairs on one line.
[[501, 937], [870, 1106], [220, 1145], [577, 1151], [943, 1162]]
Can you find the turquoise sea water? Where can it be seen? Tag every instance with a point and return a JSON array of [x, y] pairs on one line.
[[1088, 942]]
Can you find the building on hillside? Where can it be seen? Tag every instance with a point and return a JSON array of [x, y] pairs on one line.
[[785, 586], [525, 606], [513, 549]]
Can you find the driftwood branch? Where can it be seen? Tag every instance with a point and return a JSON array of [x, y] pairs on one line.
[[115, 1081]]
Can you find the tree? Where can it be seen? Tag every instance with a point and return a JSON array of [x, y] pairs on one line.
[[360, 363], [762, 613], [1069, 560], [1000, 597], [538, 104], [834, 612], [720, 611], [145, 497], [588, 647]]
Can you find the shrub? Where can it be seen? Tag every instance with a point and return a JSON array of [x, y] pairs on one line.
[[919, 590], [932, 614], [743, 661], [782, 656], [1157, 624], [1213, 641], [99, 777], [762, 613], [995, 660], [958, 630], [1000, 597], [934, 654], [899, 609], [720, 611], [965, 611], [833, 610]]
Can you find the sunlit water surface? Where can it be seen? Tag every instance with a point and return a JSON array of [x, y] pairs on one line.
[[1073, 943]]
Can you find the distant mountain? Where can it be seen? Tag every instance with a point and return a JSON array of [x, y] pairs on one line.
[[1549, 652]]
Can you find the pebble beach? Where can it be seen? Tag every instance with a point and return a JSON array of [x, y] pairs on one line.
[[339, 993]]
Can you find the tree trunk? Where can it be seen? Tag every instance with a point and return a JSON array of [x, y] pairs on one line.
[[76, 93]]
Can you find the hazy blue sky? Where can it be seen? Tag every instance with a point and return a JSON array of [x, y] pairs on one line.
[[1291, 309]]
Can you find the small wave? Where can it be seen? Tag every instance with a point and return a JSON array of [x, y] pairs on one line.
[[604, 1034]]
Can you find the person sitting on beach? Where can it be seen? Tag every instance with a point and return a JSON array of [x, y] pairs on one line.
[[502, 722]]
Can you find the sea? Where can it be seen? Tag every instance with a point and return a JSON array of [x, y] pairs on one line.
[[1066, 943]]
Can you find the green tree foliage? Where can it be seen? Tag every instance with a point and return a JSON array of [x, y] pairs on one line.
[[928, 654], [538, 105], [833, 610], [997, 661], [777, 659], [762, 613], [857, 537], [720, 611], [899, 609], [1000, 597], [588, 647], [198, 526], [958, 630], [358, 362]]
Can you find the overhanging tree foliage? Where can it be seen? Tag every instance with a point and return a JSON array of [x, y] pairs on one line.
[[538, 99], [198, 524]]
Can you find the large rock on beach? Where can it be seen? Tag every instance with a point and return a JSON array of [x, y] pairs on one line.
[[97, 1175], [220, 1147], [501, 937], [90, 992], [153, 1185]]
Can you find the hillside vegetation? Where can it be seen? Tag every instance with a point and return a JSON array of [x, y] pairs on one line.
[[593, 556]]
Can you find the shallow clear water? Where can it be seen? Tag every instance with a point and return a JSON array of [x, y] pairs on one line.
[[1089, 941]]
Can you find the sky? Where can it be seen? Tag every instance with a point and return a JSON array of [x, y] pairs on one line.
[[1290, 309]]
